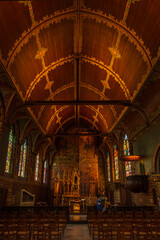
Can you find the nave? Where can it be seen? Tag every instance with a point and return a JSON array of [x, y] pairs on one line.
[[79, 119]]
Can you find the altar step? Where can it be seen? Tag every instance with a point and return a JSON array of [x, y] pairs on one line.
[[78, 218]]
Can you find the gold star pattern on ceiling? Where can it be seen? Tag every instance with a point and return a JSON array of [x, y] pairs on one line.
[[95, 119], [105, 84], [48, 85], [41, 53], [115, 53]]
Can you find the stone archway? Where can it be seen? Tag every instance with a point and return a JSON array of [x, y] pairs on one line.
[[156, 160], [2, 113]]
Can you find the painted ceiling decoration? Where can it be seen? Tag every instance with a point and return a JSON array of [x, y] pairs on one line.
[[79, 50]]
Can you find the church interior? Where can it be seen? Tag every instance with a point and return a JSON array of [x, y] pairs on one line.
[[79, 118]]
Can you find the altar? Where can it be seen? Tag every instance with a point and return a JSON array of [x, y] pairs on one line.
[[67, 198], [75, 206]]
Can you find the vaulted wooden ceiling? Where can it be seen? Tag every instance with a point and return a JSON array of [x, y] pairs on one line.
[[116, 42]]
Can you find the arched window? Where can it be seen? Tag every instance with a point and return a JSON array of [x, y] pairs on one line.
[[37, 168], [126, 150], [8, 167], [115, 154], [23, 159], [108, 167], [45, 171]]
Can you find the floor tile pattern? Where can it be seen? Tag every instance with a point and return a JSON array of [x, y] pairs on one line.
[[76, 232]]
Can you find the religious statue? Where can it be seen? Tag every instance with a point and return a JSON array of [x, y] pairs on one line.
[[70, 187], [75, 183]]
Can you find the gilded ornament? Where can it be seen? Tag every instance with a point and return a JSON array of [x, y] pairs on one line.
[[41, 53], [115, 53]]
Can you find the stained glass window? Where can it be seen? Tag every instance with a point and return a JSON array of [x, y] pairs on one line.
[[37, 167], [45, 171], [116, 163], [108, 167], [23, 159], [128, 166], [9, 151]]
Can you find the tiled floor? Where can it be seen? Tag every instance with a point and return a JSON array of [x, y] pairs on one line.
[[76, 232]]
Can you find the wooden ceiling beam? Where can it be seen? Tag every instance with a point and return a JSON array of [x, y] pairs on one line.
[[78, 102], [78, 134], [77, 90]]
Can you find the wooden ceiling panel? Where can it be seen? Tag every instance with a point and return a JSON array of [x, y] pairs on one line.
[[14, 19], [55, 123], [61, 76], [65, 94], [67, 113], [38, 92], [91, 113], [133, 121], [47, 113], [150, 98], [109, 115], [50, 81], [116, 89], [146, 24], [109, 7], [87, 112], [118, 109], [101, 125], [68, 124], [130, 66], [83, 122], [92, 75], [88, 94], [97, 38], [58, 40], [49, 7], [25, 67], [36, 110], [53, 126]]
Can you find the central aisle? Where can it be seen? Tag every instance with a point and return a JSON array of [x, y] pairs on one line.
[[76, 232]]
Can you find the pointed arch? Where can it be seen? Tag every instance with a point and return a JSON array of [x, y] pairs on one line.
[[156, 160]]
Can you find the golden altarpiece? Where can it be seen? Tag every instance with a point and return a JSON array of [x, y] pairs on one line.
[[75, 171]]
